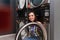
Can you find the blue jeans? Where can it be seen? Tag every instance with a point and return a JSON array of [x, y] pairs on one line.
[[31, 38]]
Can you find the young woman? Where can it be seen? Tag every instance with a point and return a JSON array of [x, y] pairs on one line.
[[33, 29], [32, 17]]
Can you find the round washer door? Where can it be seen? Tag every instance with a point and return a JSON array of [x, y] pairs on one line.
[[32, 23], [21, 4], [35, 3]]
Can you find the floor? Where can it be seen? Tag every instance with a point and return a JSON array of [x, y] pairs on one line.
[[8, 37]]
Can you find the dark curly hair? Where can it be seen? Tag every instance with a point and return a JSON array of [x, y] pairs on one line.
[[34, 14]]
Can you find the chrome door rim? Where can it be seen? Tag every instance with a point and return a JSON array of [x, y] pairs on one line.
[[32, 6], [40, 25]]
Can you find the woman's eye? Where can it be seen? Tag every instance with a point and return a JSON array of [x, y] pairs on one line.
[[31, 15]]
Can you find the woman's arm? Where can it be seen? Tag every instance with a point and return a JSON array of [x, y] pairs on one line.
[[17, 21], [44, 24]]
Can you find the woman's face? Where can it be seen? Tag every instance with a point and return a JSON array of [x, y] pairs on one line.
[[31, 16]]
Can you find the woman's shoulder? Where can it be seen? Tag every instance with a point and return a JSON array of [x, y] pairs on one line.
[[39, 22]]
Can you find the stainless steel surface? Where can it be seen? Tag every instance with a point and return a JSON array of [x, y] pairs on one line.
[[51, 36], [56, 19]]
